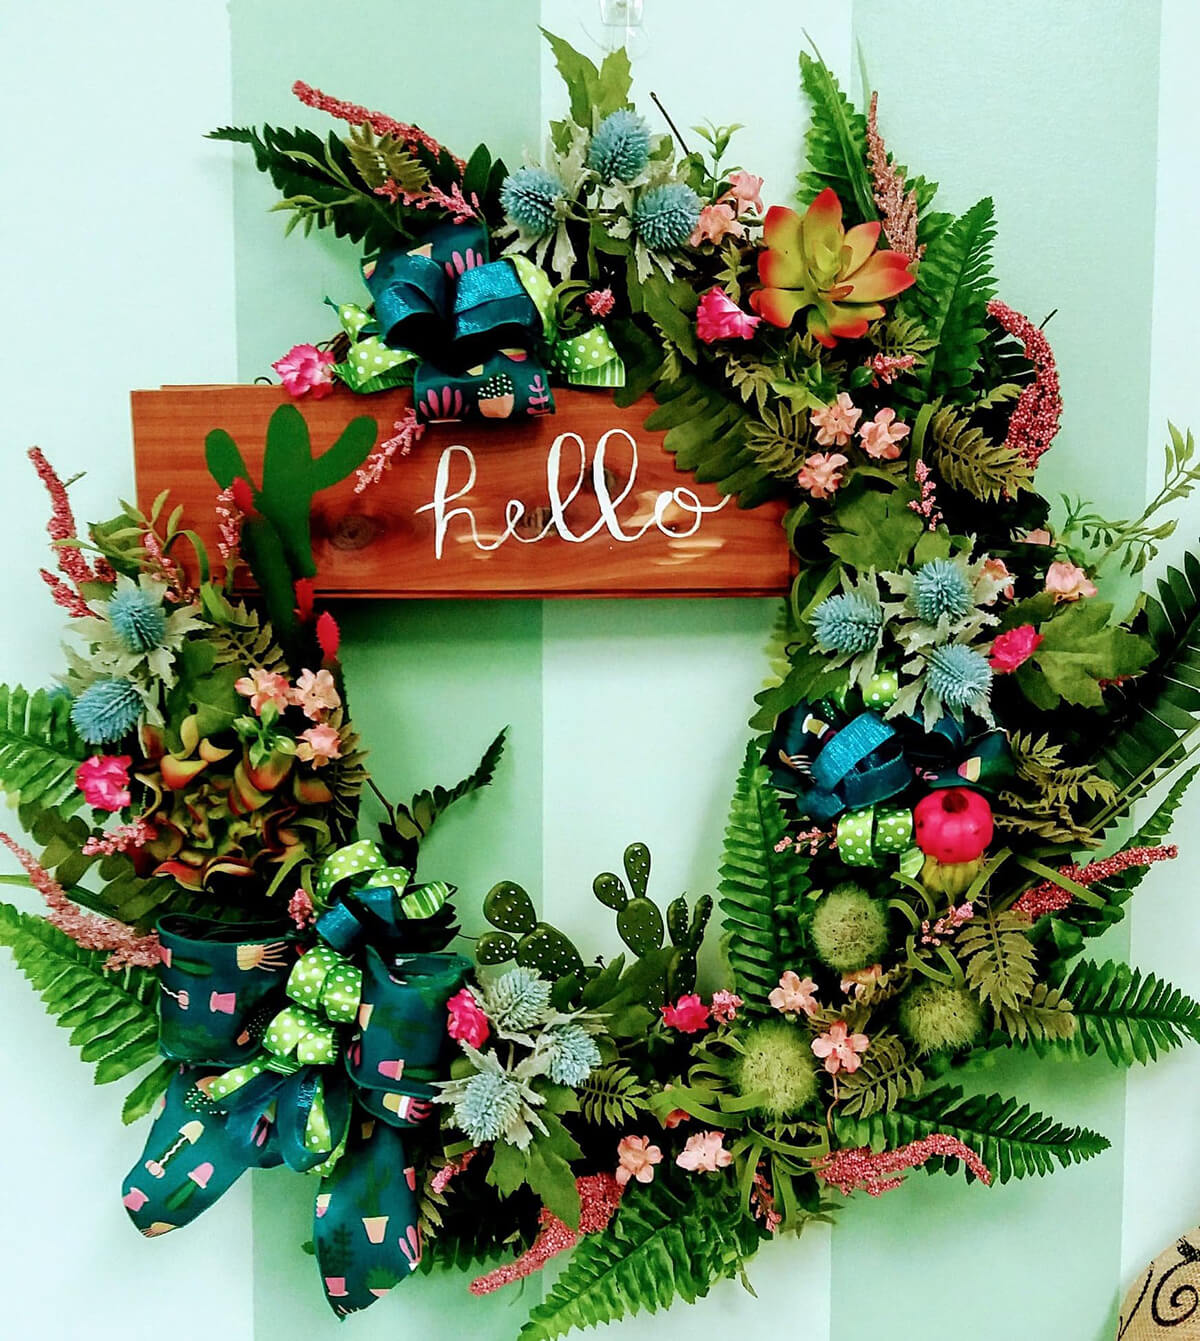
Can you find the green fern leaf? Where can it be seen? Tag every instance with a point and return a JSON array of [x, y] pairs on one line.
[[835, 144], [417, 818], [761, 890], [886, 1075], [246, 639], [611, 1096], [778, 441], [659, 1247], [998, 956], [1129, 1015], [1011, 1139], [39, 750], [1046, 1017], [966, 459]]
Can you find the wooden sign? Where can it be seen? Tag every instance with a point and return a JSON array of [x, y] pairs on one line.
[[584, 502]]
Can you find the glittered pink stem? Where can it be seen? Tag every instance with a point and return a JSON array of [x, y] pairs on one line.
[[379, 122], [1035, 419], [864, 1170], [1051, 898]]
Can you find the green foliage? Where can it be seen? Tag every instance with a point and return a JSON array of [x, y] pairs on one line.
[[1011, 1139], [414, 820], [1079, 648], [886, 1074], [998, 956], [950, 297], [875, 529], [761, 889], [778, 440], [244, 638], [660, 1245], [835, 144], [383, 158], [1050, 791], [39, 750], [112, 1016], [1047, 1017], [611, 1096], [967, 459], [594, 93], [1130, 1015]]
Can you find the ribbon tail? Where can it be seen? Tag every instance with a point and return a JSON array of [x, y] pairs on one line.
[[365, 1223]]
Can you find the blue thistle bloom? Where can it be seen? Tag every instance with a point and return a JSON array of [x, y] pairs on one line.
[[489, 1106], [573, 1053], [530, 198], [138, 619], [620, 148], [517, 1000], [941, 588], [848, 623], [958, 675], [106, 710], [664, 216]]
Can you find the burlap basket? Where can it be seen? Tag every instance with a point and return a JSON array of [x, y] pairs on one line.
[[1163, 1304]]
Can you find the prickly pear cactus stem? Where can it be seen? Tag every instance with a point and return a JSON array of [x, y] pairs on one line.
[[687, 933], [637, 868], [520, 936]]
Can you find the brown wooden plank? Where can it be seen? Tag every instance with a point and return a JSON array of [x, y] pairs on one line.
[[383, 542]]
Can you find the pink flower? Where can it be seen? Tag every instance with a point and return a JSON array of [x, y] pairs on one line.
[[718, 317], [840, 1048], [746, 190], [316, 694], [675, 1117], [996, 572], [689, 1014], [1068, 582], [725, 1005], [467, 1021], [1039, 537], [794, 995], [599, 302], [854, 984], [301, 910], [262, 687], [704, 1153], [637, 1159], [716, 222], [881, 435], [821, 473], [104, 781], [318, 745], [1014, 648], [305, 369], [835, 423]]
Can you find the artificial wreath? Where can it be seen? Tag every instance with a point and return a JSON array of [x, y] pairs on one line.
[[960, 724]]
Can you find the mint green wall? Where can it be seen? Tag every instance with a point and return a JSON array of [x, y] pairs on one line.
[[625, 717]]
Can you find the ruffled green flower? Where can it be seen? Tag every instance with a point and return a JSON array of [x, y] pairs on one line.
[[664, 216], [530, 198], [849, 622], [620, 148]]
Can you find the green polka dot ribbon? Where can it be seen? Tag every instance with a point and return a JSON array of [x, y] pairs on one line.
[[588, 359], [865, 837], [296, 1037], [370, 365], [326, 983]]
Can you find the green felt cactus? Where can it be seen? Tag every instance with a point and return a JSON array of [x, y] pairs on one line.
[[639, 923], [520, 936], [687, 934]]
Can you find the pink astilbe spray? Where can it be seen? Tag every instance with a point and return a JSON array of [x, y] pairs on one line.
[[862, 1170], [88, 931], [229, 524], [71, 601], [926, 506], [441, 1180], [1051, 898], [407, 432], [166, 569], [453, 201], [897, 206], [1035, 419], [61, 526], [380, 122], [124, 838]]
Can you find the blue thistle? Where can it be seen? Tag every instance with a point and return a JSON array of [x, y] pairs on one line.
[[106, 710], [941, 588], [573, 1053], [517, 1000], [137, 618], [848, 623], [664, 216], [958, 675], [489, 1106], [620, 148], [530, 196]]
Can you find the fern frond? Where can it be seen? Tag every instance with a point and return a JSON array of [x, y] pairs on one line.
[[417, 818], [998, 395], [886, 1074], [383, 158], [1046, 1017], [1011, 1139], [39, 749], [967, 459], [610, 1096], [900, 336], [835, 145], [998, 957], [761, 890], [247, 640], [1130, 1015], [778, 441]]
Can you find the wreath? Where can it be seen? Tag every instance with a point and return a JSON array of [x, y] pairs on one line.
[[921, 841]]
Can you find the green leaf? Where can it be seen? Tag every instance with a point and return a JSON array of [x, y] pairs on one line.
[[886, 1074], [1045, 1017], [998, 956], [835, 143], [966, 459], [417, 818], [611, 1096], [40, 750], [874, 529], [508, 1168], [153, 1085], [551, 1177], [1078, 649]]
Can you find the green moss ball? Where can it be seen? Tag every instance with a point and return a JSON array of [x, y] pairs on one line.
[[778, 1064], [849, 929], [937, 1018]]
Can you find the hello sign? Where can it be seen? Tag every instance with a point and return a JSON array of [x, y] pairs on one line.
[[581, 503]]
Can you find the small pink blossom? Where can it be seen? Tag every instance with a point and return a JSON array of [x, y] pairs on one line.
[[316, 694], [675, 1117], [746, 189], [599, 302], [716, 222], [318, 745], [856, 983], [262, 687], [718, 317], [704, 1153], [467, 1020], [840, 1048], [836, 423], [637, 1158], [1014, 648], [821, 473], [725, 1005], [689, 1015], [306, 370], [996, 572], [1039, 537], [301, 910], [887, 367], [1068, 582], [104, 781], [794, 995], [880, 436], [124, 838]]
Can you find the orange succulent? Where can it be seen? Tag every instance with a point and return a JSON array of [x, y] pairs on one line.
[[812, 262]]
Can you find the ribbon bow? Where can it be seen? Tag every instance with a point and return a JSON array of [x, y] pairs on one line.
[[317, 1062]]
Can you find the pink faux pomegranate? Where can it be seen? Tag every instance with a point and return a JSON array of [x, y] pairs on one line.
[[953, 825]]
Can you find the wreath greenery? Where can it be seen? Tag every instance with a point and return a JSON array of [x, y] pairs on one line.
[[960, 721]]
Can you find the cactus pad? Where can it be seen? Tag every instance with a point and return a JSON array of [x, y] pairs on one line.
[[640, 926], [637, 868], [509, 908], [495, 947], [610, 891], [520, 936]]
